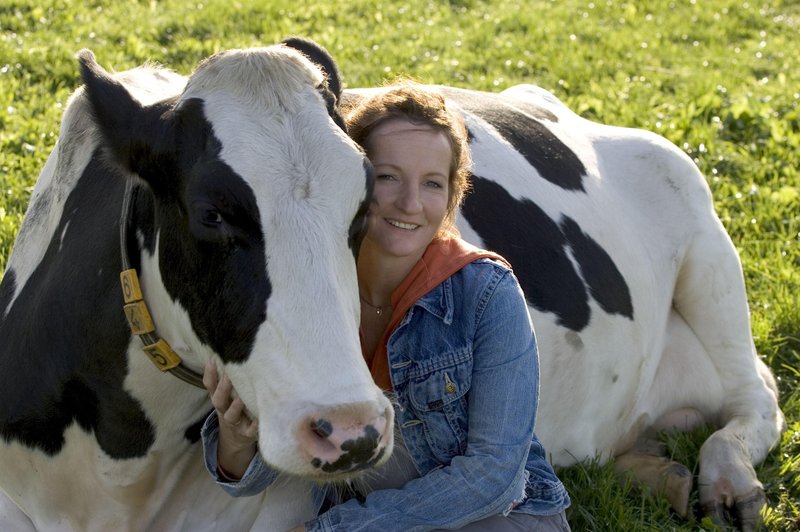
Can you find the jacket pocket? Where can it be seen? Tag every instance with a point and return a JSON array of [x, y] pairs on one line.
[[439, 399]]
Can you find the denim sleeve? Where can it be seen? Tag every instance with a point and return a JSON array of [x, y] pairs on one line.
[[255, 479], [490, 477]]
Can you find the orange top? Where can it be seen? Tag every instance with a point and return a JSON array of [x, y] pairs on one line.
[[442, 258]]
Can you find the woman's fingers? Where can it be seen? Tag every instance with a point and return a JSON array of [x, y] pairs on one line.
[[230, 410], [234, 413], [222, 398], [250, 428]]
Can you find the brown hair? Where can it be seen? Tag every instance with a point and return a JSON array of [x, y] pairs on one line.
[[421, 106]]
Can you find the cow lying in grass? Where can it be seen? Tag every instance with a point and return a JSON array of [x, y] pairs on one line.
[[240, 201]]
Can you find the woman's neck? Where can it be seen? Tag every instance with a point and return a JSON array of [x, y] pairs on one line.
[[380, 274]]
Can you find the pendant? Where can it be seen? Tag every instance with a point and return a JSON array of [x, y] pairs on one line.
[[378, 310]]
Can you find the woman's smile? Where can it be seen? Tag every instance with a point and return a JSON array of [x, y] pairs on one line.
[[402, 225]]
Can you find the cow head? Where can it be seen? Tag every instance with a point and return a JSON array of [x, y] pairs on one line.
[[258, 196]]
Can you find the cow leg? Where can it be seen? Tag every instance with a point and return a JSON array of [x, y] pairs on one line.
[[648, 467], [728, 483], [710, 297]]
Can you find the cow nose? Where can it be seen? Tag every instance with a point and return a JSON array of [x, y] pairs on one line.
[[347, 439]]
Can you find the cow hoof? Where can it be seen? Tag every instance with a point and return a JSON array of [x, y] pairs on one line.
[[662, 476], [745, 511], [677, 486]]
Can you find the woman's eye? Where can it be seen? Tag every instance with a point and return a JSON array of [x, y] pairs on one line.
[[434, 184], [386, 177]]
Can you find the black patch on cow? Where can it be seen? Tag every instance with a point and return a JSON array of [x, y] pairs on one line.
[[538, 247], [212, 240], [605, 281], [63, 342], [534, 244], [140, 226], [358, 227], [7, 289], [357, 454], [192, 432], [520, 125], [331, 103], [533, 110]]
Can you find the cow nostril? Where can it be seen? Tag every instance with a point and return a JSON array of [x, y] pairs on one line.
[[322, 428]]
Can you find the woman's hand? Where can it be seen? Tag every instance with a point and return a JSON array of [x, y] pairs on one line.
[[238, 432]]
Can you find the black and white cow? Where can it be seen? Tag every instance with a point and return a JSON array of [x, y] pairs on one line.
[[243, 200], [634, 287]]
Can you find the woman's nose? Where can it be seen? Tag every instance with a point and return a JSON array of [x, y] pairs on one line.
[[409, 199]]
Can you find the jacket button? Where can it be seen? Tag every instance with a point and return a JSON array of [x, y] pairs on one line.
[[450, 387]]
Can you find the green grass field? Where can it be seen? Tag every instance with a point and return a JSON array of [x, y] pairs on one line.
[[719, 78]]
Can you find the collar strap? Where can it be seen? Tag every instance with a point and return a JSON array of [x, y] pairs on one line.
[[139, 320]]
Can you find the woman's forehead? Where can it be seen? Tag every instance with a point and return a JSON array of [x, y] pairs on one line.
[[396, 126]]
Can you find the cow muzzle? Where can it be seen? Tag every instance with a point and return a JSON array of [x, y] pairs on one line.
[[344, 440]]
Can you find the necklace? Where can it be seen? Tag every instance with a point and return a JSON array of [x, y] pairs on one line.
[[378, 310]]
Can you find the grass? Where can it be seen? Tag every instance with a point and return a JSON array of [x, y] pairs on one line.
[[719, 78]]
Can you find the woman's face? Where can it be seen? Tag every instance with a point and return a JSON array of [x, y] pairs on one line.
[[412, 167]]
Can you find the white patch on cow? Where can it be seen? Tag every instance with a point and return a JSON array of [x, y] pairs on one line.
[[170, 490], [63, 235], [12, 518]]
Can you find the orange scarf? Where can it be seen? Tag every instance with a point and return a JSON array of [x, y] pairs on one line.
[[442, 258]]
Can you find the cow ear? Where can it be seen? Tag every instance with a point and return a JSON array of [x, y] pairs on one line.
[[319, 56], [331, 89], [139, 138]]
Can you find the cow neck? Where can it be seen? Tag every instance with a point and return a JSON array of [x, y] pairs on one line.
[[141, 324]]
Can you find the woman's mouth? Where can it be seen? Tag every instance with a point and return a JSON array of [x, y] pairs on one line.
[[401, 225]]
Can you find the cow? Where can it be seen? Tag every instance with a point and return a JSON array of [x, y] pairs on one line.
[[634, 288], [181, 221]]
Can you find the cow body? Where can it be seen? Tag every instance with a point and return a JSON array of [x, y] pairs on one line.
[[635, 291], [242, 191]]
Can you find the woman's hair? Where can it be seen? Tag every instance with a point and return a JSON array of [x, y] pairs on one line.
[[421, 106]]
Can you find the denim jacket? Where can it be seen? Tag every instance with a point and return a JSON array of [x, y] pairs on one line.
[[464, 367]]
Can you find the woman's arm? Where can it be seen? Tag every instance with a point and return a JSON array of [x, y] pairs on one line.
[[490, 477], [230, 438]]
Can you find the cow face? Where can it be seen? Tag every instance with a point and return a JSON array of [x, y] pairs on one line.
[[258, 196]]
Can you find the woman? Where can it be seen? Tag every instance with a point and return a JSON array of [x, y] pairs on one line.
[[445, 329]]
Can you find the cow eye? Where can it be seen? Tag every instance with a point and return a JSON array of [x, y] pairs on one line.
[[207, 214], [211, 218]]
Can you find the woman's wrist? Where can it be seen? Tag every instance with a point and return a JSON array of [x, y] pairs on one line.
[[232, 464]]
